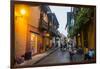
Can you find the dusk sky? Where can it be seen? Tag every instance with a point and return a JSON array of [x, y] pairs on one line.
[[61, 14]]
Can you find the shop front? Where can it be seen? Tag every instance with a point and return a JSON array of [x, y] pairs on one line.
[[46, 41], [36, 43], [33, 43]]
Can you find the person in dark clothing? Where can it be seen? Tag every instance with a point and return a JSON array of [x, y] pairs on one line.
[[80, 51], [56, 44], [61, 47], [89, 55], [71, 53]]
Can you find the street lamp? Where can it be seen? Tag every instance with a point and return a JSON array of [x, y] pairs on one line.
[[23, 11]]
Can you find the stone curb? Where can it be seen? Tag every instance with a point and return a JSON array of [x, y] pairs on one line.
[[45, 56], [33, 63]]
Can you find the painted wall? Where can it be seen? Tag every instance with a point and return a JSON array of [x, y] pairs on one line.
[[20, 29], [34, 16], [91, 35], [31, 16]]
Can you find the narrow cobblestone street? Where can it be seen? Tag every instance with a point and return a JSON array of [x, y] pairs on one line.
[[57, 57]]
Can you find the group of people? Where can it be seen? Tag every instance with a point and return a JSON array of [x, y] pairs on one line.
[[90, 54], [63, 47]]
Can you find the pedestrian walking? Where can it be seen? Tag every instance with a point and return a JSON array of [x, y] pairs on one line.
[[62, 47], [80, 51], [71, 54]]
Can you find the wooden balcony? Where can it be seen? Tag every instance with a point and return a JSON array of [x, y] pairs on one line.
[[52, 31], [43, 25]]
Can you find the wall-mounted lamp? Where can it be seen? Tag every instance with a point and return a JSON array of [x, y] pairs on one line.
[[22, 11]]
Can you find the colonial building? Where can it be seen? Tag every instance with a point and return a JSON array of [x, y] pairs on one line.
[[53, 26], [44, 26], [32, 29], [27, 35], [83, 27]]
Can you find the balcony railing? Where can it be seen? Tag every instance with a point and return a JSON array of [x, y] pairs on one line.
[[43, 25], [53, 31]]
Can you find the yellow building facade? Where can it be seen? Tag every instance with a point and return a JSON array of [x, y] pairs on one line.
[[87, 38], [27, 35]]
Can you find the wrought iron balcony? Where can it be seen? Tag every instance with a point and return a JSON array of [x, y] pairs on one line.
[[43, 25]]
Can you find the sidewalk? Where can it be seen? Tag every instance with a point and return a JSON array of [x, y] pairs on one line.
[[37, 58]]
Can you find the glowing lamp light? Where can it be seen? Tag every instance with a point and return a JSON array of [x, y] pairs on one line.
[[47, 35], [23, 11]]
